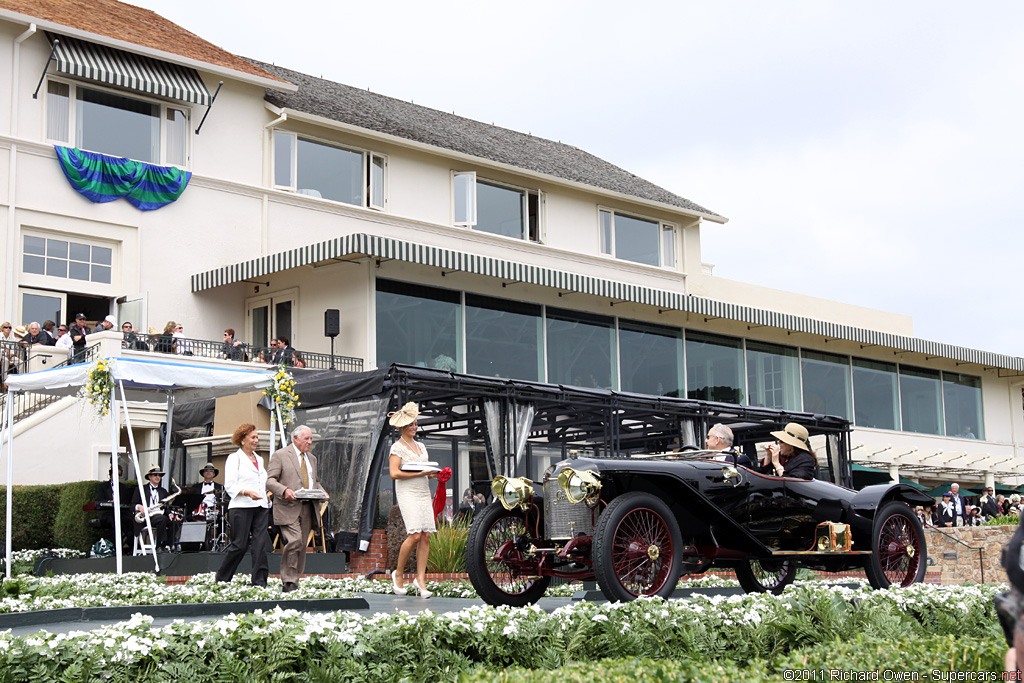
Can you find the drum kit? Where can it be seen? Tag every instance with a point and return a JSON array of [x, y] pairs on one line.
[[218, 529]]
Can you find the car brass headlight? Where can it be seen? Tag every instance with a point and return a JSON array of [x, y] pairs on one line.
[[512, 492], [580, 486]]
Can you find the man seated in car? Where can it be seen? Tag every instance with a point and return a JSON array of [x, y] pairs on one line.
[[720, 438], [792, 455]]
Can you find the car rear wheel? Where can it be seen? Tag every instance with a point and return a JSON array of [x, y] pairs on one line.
[[494, 563], [765, 576], [637, 548], [898, 550]]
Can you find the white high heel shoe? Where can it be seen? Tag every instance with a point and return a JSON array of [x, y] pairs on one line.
[[399, 590], [424, 593]]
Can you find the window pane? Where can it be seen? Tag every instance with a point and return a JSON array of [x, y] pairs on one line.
[[56, 267], [35, 245], [78, 271], [503, 338], [714, 367], [101, 255], [283, 158], [465, 198], [668, 246], [636, 240], [773, 376], [580, 349], [38, 307], [962, 397], [418, 325], [58, 111], [36, 265], [177, 136], [377, 182], [261, 325], [58, 249], [920, 400], [80, 252], [826, 384], [118, 125], [333, 172], [499, 210], [875, 394], [283, 320], [101, 274], [651, 357], [606, 232]]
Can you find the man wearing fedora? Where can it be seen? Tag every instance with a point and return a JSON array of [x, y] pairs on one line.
[[153, 493], [293, 468], [208, 488], [792, 456]]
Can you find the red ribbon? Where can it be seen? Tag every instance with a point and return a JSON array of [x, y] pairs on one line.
[[441, 495]]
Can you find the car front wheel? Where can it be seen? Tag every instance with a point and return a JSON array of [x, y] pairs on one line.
[[497, 568], [898, 550], [765, 576], [637, 548]]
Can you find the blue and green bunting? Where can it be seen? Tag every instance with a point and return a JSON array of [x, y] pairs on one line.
[[102, 178]]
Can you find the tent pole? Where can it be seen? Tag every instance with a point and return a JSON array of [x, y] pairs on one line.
[[167, 436], [277, 409], [138, 475], [9, 432], [115, 481]]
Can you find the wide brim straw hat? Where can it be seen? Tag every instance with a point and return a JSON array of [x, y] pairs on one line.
[[795, 435], [20, 331], [210, 468], [155, 470], [406, 415]]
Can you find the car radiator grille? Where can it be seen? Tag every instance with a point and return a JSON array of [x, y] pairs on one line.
[[562, 519]]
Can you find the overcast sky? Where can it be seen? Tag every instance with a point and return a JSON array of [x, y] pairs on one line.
[[869, 153]]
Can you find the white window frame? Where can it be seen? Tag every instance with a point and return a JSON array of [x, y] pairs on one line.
[[70, 284], [471, 179], [71, 138], [369, 157], [671, 262]]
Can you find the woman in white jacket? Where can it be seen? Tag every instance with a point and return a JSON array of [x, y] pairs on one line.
[[245, 480]]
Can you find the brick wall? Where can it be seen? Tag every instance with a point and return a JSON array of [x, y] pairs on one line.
[[970, 553], [375, 557]]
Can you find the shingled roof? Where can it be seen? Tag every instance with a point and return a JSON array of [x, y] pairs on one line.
[[121, 21], [365, 109]]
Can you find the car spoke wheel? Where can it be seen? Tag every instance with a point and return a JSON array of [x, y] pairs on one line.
[[638, 548], [899, 553], [764, 576], [494, 563]]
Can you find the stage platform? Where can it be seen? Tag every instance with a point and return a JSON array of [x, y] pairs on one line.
[[188, 564]]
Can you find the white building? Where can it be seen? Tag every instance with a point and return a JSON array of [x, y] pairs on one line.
[[441, 241]]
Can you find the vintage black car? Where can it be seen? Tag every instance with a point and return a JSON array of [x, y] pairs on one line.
[[637, 524]]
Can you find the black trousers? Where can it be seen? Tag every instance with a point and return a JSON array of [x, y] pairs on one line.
[[162, 529], [246, 521]]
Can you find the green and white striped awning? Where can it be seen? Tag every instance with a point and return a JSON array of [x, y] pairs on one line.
[[123, 69], [361, 244]]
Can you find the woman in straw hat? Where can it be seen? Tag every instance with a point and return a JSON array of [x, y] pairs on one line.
[[414, 499], [791, 455]]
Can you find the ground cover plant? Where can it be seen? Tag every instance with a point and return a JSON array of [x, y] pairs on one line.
[[744, 637]]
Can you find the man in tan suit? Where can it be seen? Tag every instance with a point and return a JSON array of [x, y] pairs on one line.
[[290, 469]]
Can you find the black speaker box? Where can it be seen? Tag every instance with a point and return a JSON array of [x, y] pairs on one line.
[[332, 322]]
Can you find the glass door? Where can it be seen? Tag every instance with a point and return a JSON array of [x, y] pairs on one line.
[[271, 317]]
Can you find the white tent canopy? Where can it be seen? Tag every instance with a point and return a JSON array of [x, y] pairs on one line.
[[134, 379]]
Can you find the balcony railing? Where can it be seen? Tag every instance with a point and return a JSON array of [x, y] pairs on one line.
[[19, 357], [205, 348]]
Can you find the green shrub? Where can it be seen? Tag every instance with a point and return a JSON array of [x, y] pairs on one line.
[[71, 527], [448, 548], [34, 509], [625, 670], [1003, 520]]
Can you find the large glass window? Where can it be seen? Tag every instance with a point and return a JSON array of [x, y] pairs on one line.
[[876, 397], [826, 379], [418, 325], [581, 349], [962, 401], [319, 169], [773, 376], [651, 358], [640, 240], [66, 259], [495, 208], [714, 367], [503, 338], [920, 400], [112, 123]]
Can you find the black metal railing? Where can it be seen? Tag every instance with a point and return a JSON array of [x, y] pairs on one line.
[[205, 348], [28, 403]]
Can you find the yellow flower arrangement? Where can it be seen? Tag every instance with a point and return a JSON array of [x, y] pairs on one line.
[[282, 392], [97, 390]]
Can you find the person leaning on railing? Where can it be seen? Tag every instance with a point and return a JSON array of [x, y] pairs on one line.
[[233, 349], [165, 340]]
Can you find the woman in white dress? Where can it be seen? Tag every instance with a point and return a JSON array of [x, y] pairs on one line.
[[245, 480], [414, 499]]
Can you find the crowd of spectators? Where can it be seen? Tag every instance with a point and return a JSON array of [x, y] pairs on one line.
[[956, 510]]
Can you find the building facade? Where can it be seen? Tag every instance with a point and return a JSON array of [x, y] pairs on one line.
[[442, 242]]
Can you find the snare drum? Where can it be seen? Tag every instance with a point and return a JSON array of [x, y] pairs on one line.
[[199, 514]]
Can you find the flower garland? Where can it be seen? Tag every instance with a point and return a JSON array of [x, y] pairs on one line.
[[97, 390], [282, 392]]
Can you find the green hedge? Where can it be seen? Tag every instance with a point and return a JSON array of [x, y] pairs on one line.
[[34, 511], [71, 528]]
